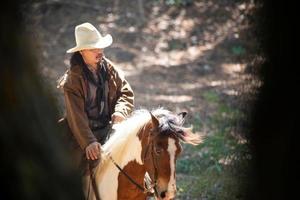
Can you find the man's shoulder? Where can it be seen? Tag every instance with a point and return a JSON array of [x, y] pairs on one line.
[[113, 69], [73, 72], [76, 70]]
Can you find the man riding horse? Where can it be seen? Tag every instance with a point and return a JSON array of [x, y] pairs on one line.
[[96, 95]]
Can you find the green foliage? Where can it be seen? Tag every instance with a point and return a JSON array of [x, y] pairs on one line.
[[176, 45], [213, 171], [238, 50], [212, 186], [197, 123], [211, 96], [178, 2]]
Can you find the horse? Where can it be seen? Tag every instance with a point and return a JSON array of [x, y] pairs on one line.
[[147, 143]]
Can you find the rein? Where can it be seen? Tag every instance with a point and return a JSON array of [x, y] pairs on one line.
[[142, 188]]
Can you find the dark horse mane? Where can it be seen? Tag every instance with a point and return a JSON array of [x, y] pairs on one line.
[[171, 124]]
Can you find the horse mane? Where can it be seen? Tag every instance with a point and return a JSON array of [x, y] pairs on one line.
[[125, 131], [172, 124], [169, 123]]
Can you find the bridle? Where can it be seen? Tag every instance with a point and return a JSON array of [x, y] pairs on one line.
[[154, 163]]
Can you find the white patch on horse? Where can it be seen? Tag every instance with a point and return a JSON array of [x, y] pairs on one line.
[[172, 183], [124, 146]]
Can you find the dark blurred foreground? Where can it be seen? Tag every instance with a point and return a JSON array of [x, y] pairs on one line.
[[276, 112], [35, 164]]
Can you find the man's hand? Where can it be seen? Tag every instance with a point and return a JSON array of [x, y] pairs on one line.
[[93, 151], [117, 118]]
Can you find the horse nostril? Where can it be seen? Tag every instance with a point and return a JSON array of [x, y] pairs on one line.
[[163, 194]]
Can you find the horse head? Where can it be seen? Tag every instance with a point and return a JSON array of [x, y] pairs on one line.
[[161, 148]]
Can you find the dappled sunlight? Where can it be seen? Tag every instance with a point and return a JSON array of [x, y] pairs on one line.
[[191, 86], [109, 21], [171, 40], [233, 68], [217, 83], [174, 56], [231, 92], [173, 98]]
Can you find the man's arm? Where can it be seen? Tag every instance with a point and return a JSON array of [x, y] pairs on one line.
[[125, 101], [76, 116], [78, 120]]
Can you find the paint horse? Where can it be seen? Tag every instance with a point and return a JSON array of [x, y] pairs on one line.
[[145, 142]]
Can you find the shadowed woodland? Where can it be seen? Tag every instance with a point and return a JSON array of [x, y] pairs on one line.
[[211, 58], [191, 56]]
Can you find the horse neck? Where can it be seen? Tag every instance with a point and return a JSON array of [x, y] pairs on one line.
[[130, 151], [127, 146]]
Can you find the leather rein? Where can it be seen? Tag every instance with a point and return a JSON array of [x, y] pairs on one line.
[[141, 188], [152, 189]]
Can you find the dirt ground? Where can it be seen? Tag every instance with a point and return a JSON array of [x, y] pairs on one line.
[[171, 55], [177, 57]]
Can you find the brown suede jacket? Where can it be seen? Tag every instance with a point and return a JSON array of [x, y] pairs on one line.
[[120, 100]]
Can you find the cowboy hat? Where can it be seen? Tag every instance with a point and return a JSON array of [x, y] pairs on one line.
[[88, 37]]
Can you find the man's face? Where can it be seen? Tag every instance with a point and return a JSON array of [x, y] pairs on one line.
[[92, 56]]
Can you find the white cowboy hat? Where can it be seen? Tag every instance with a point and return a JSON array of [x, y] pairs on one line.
[[88, 37]]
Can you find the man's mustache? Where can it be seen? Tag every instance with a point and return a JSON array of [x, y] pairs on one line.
[[100, 54]]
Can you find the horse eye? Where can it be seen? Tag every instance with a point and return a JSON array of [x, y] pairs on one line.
[[158, 150]]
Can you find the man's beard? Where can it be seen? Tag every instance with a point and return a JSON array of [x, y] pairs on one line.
[[100, 57]]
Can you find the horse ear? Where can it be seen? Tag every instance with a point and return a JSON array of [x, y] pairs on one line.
[[182, 114], [155, 121]]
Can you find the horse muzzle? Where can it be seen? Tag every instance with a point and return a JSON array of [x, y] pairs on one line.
[[167, 195]]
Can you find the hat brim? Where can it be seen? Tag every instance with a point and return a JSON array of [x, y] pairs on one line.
[[101, 44]]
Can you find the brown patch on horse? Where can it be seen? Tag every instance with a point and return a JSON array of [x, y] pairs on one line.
[[136, 172], [163, 158], [146, 135]]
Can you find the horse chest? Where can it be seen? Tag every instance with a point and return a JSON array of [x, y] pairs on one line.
[[109, 184], [126, 189]]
